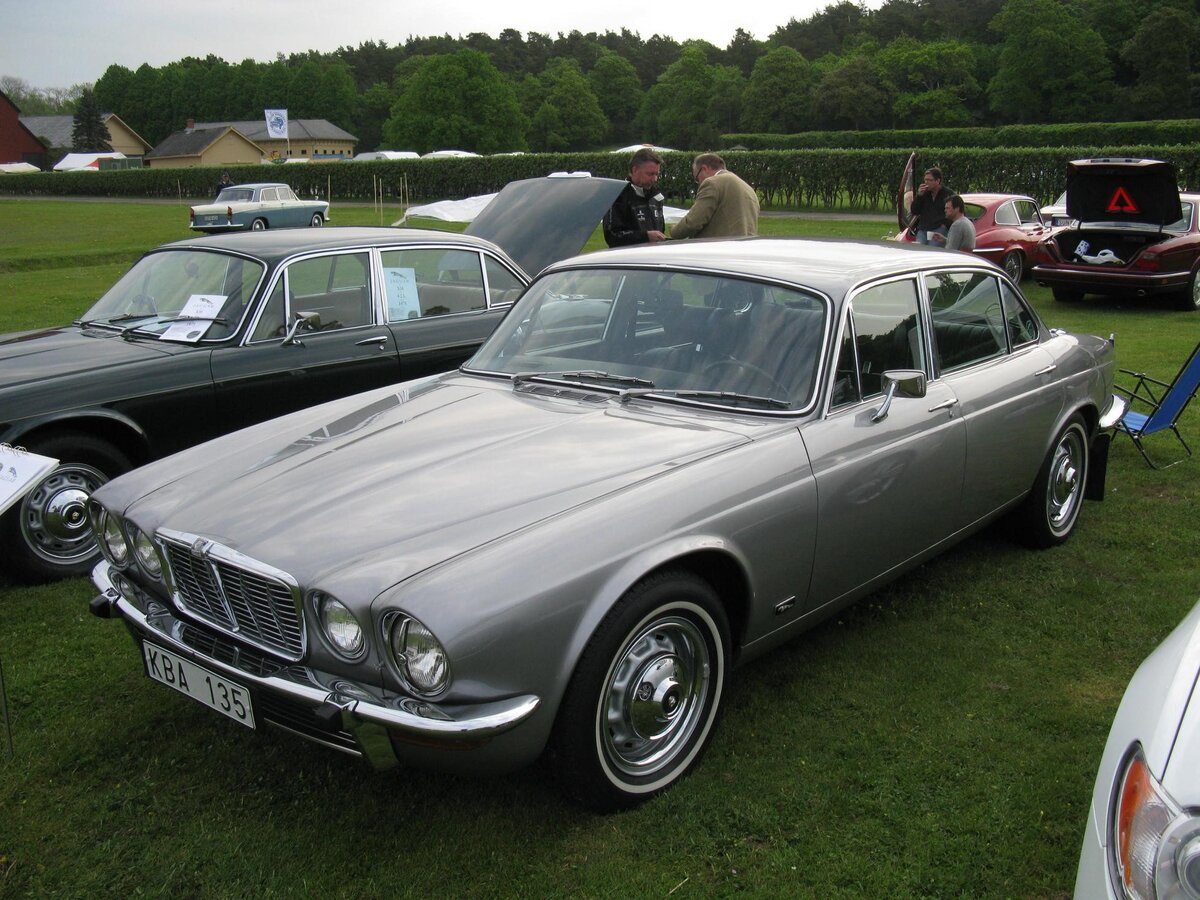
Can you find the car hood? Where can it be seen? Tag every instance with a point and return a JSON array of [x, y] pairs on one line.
[[383, 485], [1135, 191], [539, 221], [36, 356]]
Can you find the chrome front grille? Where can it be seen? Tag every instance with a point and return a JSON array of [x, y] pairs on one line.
[[251, 601]]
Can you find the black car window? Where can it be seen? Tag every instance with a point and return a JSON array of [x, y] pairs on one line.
[[968, 324], [335, 288], [1027, 212], [503, 286], [882, 332], [1022, 326], [431, 281]]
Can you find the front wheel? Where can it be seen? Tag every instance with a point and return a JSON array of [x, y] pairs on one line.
[[1014, 264], [317, 220], [258, 225], [47, 534], [1049, 513], [646, 693]]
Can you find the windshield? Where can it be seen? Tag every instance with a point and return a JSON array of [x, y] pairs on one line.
[[164, 287], [703, 338]]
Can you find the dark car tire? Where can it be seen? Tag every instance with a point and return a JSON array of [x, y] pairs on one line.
[[316, 221], [47, 535], [1049, 513], [1014, 264], [1066, 295], [1189, 300], [646, 694], [258, 225]]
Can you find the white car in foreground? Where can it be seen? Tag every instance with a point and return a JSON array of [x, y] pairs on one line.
[[1143, 832]]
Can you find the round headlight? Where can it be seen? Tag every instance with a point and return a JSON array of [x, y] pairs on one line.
[[339, 625], [420, 657], [112, 539], [145, 552]]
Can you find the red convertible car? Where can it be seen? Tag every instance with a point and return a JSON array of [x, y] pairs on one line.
[[1008, 229], [1135, 235]]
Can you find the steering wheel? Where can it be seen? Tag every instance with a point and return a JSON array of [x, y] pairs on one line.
[[754, 370]]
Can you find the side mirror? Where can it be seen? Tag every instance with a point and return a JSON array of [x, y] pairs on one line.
[[906, 383], [306, 321]]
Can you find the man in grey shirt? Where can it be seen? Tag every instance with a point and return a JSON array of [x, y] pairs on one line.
[[961, 235]]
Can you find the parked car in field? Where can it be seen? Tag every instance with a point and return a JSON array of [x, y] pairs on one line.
[[1142, 839], [257, 207], [1135, 235], [207, 335], [666, 460], [1055, 214], [1008, 229]]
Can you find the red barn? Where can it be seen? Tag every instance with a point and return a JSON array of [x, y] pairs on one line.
[[18, 143]]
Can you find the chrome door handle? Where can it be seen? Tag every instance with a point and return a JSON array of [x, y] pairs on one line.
[[1046, 371], [945, 404], [381, 340]]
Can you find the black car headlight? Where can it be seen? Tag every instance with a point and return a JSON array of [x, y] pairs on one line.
[[339, 626], [109, 535], [418, 655], [1154, 845]]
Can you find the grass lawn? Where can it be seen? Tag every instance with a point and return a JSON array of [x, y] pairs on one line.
[[939, 739]]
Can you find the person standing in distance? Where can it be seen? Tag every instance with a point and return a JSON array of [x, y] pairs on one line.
[[929, 207], [636, 216], [725, 205], [961, 235]]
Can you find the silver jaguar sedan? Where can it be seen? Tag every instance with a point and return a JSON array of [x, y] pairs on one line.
[[665, 461]]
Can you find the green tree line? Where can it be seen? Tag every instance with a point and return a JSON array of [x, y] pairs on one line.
[[910, 64]]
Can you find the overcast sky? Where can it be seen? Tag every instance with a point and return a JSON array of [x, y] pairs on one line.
[[58, 43]]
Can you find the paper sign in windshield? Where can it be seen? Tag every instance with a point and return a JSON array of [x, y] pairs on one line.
[[403, 302], [195, 318]]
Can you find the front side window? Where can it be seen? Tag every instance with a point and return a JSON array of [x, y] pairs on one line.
[[431, 281], [968, 322], [883, 333], [333, 291]]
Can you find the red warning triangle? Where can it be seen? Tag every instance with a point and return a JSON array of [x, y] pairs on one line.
[[1121, 202]]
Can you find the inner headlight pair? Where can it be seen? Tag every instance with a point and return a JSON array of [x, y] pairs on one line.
[[417, 655], [122, 541], [1154, 845]]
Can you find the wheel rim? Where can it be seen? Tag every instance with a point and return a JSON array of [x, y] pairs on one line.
[[54, 522], [1065, 489], [1196, 290], [656, 697], [1014, 266], [258, 225], [317, 221]]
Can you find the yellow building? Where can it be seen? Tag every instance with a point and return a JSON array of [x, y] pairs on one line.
[[217, 146]]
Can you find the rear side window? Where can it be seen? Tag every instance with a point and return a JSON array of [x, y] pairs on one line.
[[1022, 326], [432, 281], [968, 321]]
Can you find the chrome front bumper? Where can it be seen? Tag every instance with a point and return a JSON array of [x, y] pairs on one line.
[[1116, 410], [353, 709]]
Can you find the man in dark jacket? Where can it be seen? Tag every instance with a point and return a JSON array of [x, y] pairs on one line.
[[636, 216], [929, 207]]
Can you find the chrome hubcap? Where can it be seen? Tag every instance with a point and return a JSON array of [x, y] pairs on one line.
[[54, 518], [1066, 481], [655, 697]]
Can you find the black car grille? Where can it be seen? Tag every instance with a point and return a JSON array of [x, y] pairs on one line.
[[226, 590]]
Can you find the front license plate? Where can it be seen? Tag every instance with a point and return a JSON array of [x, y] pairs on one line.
[[213, 691]]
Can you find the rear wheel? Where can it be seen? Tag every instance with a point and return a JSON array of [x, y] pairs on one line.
[[317, 220], [1189, 300], [1051, 510], [1066, 295], [646, 693], [1014, 264], [258, 225], [47, 535]]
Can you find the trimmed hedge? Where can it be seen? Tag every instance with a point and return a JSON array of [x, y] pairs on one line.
[[1079, 134], [820, 179]]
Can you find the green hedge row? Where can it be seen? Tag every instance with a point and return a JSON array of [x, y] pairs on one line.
[[1079, 134], [819, 179]]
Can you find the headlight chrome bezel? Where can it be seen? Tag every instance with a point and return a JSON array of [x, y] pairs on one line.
[[1154, 843], [400, 631], [110, 536], [332, 614], [144, 552]]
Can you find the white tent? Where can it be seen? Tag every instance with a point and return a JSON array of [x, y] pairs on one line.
[[446, 154], [634, 147], [17, 168], [466, 210], [76, 162]]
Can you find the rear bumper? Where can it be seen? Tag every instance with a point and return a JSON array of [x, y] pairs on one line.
[[1097, 280], [354, 717]]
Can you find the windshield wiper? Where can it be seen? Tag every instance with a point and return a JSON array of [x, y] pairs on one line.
[[722, 396], [133, 329], [582, 375]]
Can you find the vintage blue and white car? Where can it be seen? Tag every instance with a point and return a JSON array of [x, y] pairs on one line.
[[665, 461], [257, 207]]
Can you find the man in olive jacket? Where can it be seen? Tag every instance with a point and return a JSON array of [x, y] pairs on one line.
[[725, 205]]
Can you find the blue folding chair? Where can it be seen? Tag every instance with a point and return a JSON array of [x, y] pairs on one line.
[[1166, 403]]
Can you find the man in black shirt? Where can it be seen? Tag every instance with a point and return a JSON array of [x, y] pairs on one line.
[[636, 216], [929, 207]]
